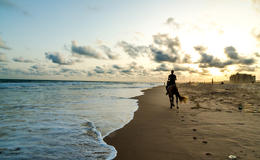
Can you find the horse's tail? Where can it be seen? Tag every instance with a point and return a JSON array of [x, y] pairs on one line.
[[181, 98]]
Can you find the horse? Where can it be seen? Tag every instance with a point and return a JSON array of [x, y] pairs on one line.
[[173, 90]]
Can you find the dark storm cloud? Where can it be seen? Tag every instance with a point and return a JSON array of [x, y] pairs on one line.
[[133, 50], [86, 51], [108, 52], [22, 60], [60, 59], [9, 5]]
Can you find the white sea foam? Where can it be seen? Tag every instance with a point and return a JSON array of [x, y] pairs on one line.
[[57, 120]]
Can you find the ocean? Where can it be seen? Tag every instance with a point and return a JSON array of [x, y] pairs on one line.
[[63, 119]]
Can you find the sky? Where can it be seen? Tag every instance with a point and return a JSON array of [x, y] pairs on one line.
[[123, 40]]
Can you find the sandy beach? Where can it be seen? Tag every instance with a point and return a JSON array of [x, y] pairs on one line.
[[217, 121]]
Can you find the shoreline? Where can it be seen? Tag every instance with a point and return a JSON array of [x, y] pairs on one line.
[[157, 132], [114, 155]]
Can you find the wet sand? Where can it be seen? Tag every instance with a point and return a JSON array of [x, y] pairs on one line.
[[216, 122]]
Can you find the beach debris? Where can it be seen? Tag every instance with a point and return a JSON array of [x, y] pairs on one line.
[[240, 107], [194, 138], [194, 130], [205, 142], [232, 157]]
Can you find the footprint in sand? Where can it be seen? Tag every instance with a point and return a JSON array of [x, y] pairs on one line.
[[208, 154]]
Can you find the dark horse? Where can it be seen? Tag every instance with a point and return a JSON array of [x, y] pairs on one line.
[[173, 90]]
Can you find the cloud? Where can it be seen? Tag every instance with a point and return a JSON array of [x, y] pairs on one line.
[[71, 72], [3, 45], [9, 5], [134, 69], [108, 52], [165, 49], [172, 44], [133, 50], [3, 57], [181, 68], [99, 70], [200, 49], [210, 61], [58, 58], [187, 59], [10, 71], [257, 54], [162, 67], [161, 56], [116, 66], [86, 51], [231, 52], [22, 60], [234, 56], [244, 68], [171, 21], [207, 60], [256, 33]]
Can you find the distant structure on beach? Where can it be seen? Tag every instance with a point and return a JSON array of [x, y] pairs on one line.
[[242, 78]]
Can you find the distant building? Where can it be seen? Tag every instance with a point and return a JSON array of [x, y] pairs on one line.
[[242, 78]]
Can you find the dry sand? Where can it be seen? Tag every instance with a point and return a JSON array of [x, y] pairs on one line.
[[209, 126]]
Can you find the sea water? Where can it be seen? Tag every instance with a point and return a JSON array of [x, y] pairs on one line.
[[63, 119]]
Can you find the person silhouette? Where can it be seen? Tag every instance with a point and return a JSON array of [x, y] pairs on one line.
[[171, 80]]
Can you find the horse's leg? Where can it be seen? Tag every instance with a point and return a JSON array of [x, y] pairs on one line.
[[173, 100], [170, 101], [177, 99]]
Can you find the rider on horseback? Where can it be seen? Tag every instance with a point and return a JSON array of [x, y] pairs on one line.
[[171, 80]]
